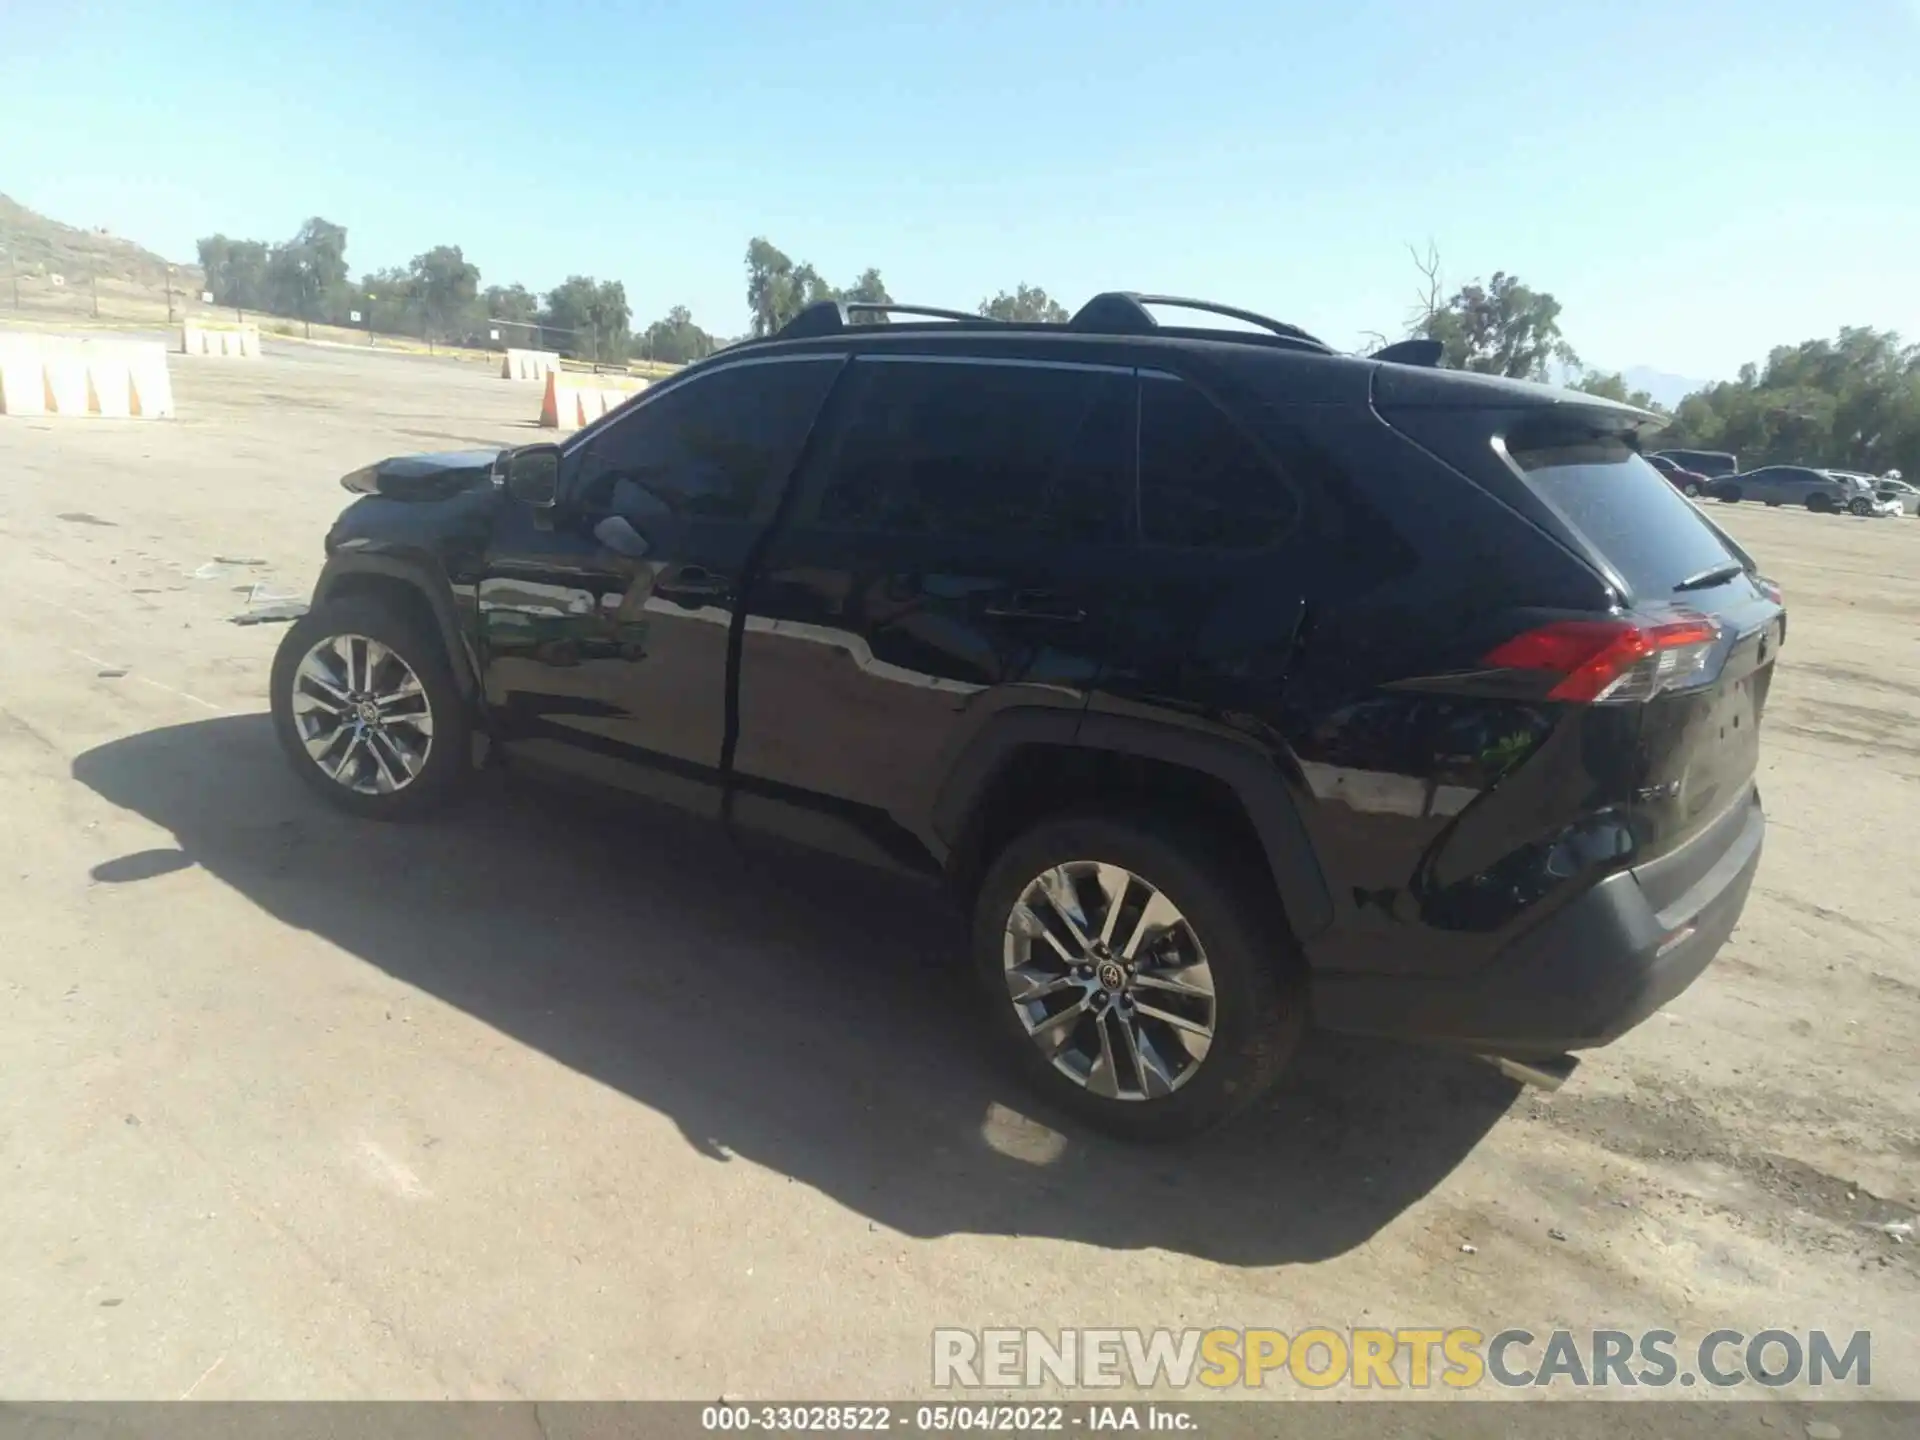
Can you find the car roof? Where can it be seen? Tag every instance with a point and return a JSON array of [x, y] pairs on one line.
[[1116, 327]]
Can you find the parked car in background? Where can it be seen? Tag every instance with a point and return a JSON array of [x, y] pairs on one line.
[[1891, 487], [1687, 482], [1711, 463], [1822, 490]]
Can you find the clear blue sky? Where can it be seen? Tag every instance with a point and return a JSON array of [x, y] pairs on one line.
[[1695, 181]]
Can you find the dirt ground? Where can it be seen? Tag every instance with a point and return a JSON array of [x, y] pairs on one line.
[[545, 1099]]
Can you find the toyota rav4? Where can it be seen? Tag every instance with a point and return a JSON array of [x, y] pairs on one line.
[[1231, 683]]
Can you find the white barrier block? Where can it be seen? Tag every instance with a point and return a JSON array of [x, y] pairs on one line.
[[149, 382], [65, 369], [23, 386], [109, 385], [528, 364]]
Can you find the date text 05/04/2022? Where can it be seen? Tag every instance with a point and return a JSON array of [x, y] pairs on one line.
[[946, 1419]]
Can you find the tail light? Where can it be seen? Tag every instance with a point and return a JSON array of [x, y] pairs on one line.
[[1615, 661]]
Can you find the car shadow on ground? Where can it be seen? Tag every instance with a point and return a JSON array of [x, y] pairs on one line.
[[801, 1014]]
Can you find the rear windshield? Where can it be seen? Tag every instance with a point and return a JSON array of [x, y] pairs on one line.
[[1632, 518]]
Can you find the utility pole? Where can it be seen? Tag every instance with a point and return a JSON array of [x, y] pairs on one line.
[[169, 295], [93, 285], [13, 271]]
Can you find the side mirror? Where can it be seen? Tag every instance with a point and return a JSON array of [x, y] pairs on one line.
[[533, 475]]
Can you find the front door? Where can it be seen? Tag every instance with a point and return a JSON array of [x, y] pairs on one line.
[[955, 534], [605, 622]]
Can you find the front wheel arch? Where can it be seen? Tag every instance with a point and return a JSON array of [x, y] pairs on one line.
[[411, 588]]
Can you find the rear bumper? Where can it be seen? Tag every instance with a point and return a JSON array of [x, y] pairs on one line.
[[1583, 978]]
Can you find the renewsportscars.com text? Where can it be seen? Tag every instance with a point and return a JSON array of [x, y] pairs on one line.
[[1461, 1358]]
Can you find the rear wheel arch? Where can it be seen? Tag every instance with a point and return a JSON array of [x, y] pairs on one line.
[[1026, 769]]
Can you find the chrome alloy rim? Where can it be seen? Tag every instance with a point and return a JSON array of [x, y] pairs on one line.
[[362, 714], [1109, 980]]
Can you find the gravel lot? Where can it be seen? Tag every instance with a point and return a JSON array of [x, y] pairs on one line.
[[551, 1100]]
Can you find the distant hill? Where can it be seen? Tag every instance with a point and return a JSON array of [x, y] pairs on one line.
[[41, 247]]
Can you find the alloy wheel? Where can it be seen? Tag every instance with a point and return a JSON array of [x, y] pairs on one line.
[[1109, 980], [362, 714]]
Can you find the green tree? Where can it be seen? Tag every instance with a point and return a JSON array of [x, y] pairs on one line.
[[1614, 387], [869, 288], [774, 292], [309, 271], [1501, 328], [236, 271], [513, 303], [387, 302], [1850, 403], [1027, 304], [595, 312], [676, 339], [778, 289], [446, 286]]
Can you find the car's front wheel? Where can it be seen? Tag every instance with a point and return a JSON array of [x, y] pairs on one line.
[[1144, 982], [1860, 505], [1729, 493], [368, 711]]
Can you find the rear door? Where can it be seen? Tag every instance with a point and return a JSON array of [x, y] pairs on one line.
[[1700, 729], [953, 542], [1208, 617]]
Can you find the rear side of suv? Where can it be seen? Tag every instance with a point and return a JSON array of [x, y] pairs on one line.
[[1228, 682]]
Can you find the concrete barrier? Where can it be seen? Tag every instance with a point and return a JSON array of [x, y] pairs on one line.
[[152, 385], [568, 405], [23, 384], [56, 375], [238, 341], [529, 364]]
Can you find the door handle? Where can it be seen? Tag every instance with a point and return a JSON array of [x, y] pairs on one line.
[[692, 586], [1036, 605]]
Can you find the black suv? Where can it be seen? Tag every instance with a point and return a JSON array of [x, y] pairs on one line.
[[1229, 681]]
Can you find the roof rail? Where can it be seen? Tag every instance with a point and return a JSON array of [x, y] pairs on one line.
[[1124, 312], [1114, 312], [830, 317]]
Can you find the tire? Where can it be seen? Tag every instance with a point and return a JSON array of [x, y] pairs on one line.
[[1773, 504], [1692, 491], [1860, 506], [1730, 494], [1819, 504], [444, 762], [1258, 1006]]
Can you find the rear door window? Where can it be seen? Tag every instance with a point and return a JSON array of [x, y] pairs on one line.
[[1203, 484], [1634, 520]]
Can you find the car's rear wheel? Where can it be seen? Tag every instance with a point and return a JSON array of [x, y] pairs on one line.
[[1820, 504], [368, 711], [1692, 491], [1860, 505], [1730, 493], [1145, 983]]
